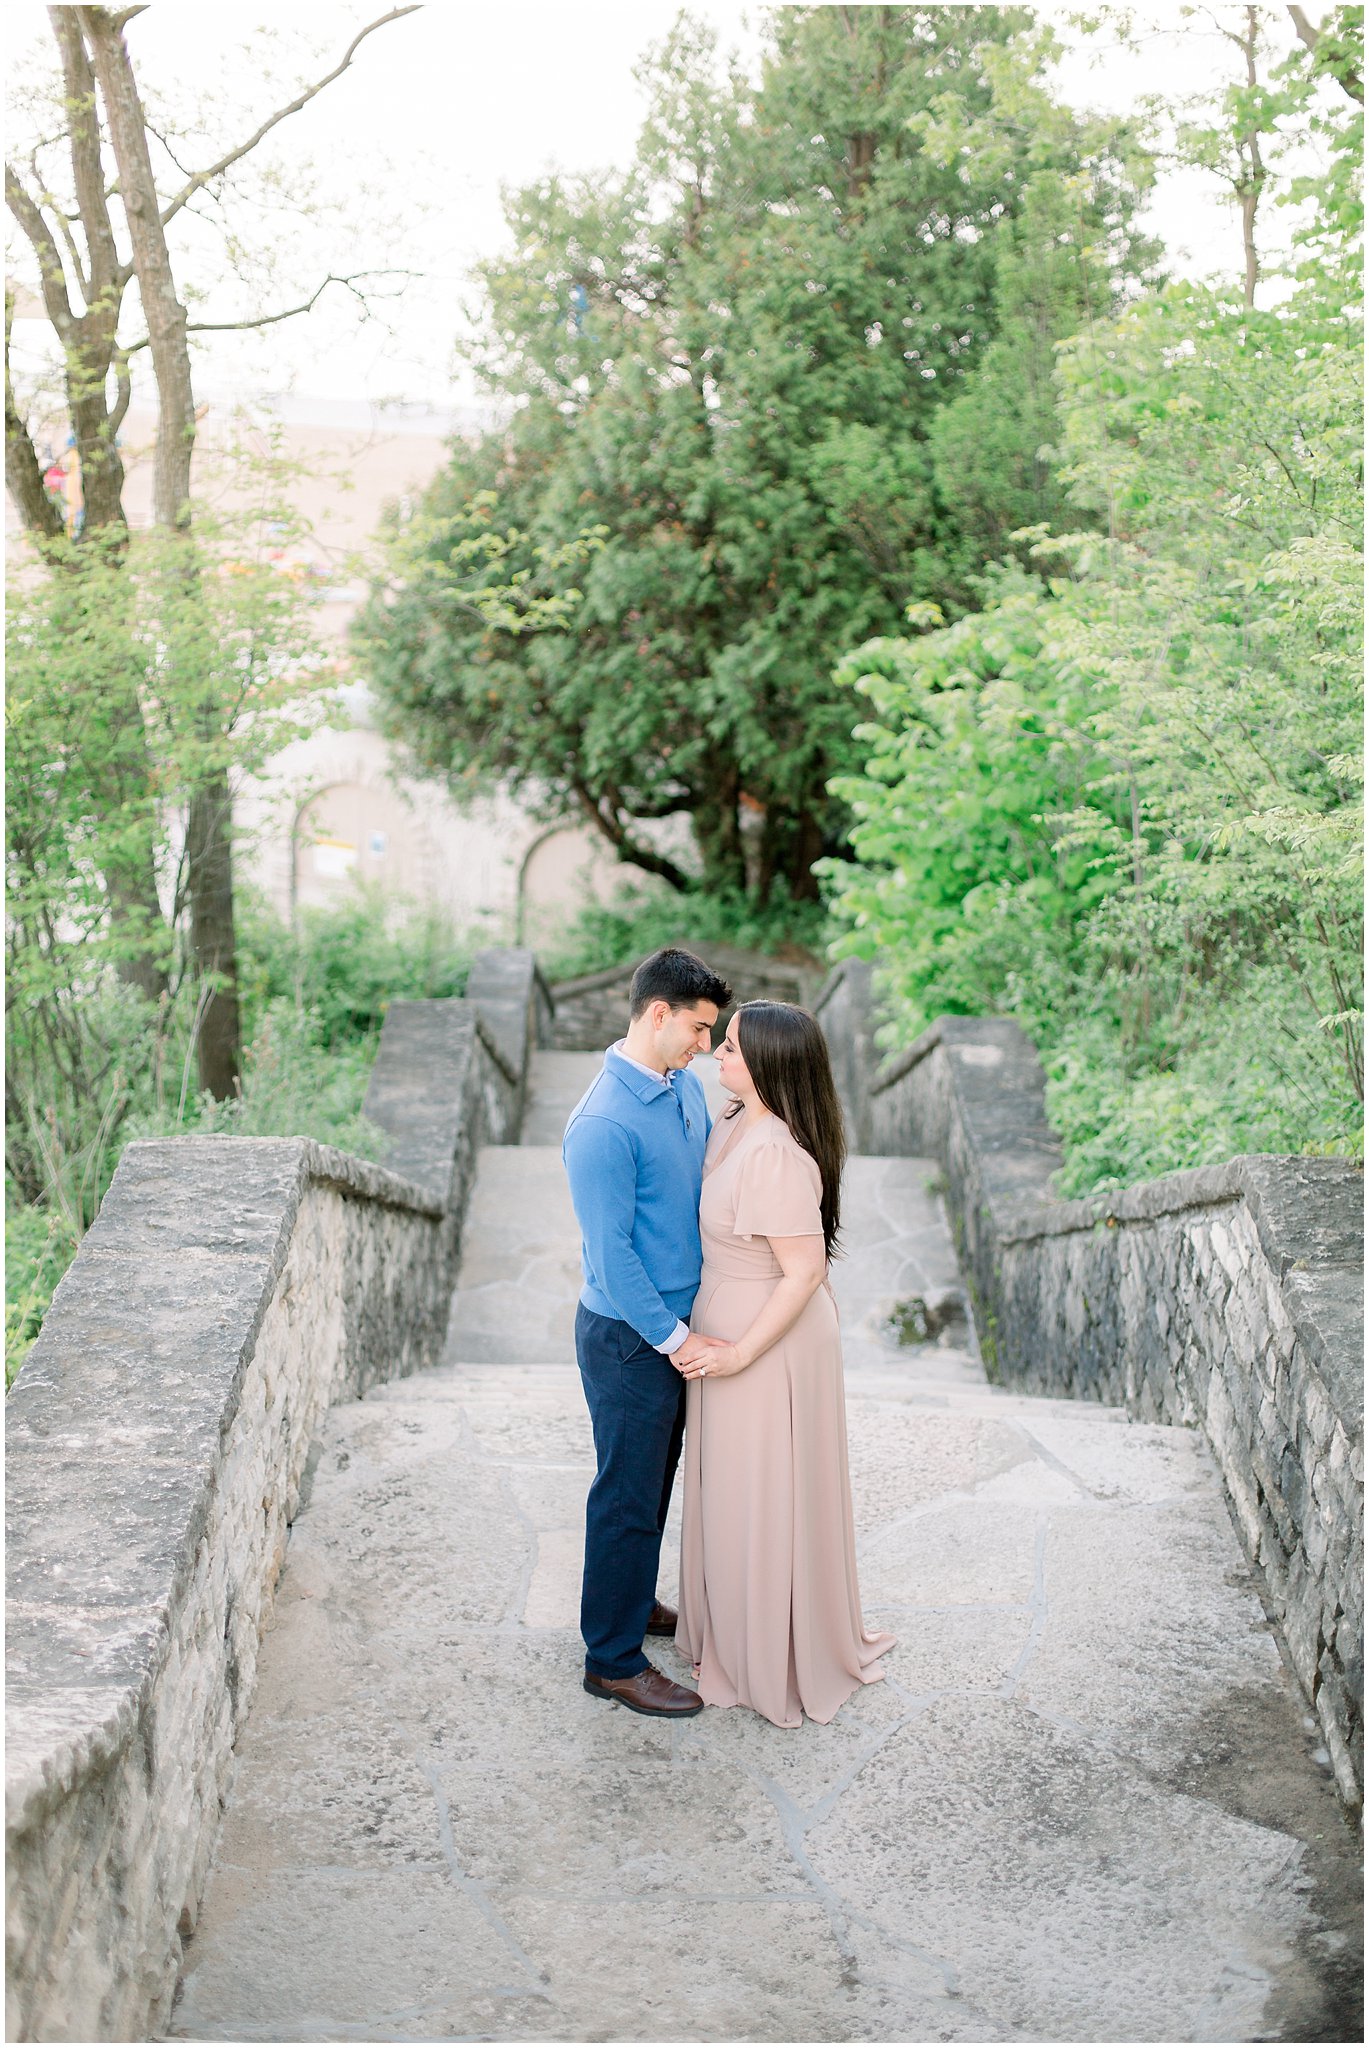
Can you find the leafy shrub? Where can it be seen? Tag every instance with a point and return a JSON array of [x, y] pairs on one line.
[[1122, 801], [644, 917], [313, 1004], [347, 961], [39, 1246]]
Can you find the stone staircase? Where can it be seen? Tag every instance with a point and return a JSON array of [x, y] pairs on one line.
[[1080, 1807]]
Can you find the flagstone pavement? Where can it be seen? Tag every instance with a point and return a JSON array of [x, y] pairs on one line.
[[1083, 1805]]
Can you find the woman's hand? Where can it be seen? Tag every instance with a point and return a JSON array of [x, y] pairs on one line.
[[718, 1362]]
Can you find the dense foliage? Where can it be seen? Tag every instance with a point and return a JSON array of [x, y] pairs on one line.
[[642, 916], [134, 676], [1122, 800], [790, 369], [314, 1000]]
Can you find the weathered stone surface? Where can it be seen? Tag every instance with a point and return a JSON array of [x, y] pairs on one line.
[[514, 1005], [845, 1011], [1057, 1890], [421, 1086], [555, 1085], [158, 1437], [1230, 1297], [1078, 1807], [520, 1271]]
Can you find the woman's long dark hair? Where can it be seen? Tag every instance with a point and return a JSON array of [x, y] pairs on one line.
[[786, 1057]]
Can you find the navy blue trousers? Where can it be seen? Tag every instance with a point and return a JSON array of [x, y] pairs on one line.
[[636, 1404]]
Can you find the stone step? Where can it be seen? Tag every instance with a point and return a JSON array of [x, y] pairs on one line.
[[897, 1279], [520, 1259], [1079, 1807], [556, 1081]]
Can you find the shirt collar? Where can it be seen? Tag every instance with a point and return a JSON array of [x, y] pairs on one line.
[[643, 1081]]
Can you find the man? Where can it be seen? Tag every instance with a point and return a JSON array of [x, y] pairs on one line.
[[633, 1153]]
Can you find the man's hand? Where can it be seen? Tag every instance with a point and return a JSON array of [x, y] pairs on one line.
[[694, 1348], [718, 1362]]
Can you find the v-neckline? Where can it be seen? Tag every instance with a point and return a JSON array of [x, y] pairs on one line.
[[734, 1142]]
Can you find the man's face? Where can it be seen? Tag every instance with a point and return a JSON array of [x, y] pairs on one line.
[[681, 1034]]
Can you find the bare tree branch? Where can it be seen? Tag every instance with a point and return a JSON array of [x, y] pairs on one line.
[[83, 135], [282, 114], [1306, 32], [158, 136], [83, 284], [1343, 71], [47, 202], [1251, 186], [272, 319], [29, 215], [23, 471], [125, 389]]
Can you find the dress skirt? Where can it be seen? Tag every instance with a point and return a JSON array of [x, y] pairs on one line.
[[769, 1599]]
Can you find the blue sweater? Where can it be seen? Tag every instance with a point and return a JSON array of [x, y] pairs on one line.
[[634, 1156]]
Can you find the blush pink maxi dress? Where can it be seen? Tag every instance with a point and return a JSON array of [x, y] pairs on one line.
[[769, 1601]]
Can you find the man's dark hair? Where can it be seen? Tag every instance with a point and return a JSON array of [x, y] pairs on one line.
[[676, 977]]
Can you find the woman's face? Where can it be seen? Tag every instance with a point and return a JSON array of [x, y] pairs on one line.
[[732, 1069]]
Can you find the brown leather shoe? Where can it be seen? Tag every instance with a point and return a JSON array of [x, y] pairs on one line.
[[646, 1692], [663, 1620]]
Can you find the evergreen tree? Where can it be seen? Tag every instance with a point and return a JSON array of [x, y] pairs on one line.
[[729, 369]]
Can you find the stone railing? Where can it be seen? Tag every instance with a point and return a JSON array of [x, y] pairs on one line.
[[844, 1008], [1227, 1297], [159, 1438]]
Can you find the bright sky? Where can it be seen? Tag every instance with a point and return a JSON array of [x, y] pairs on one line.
[[444, 106]]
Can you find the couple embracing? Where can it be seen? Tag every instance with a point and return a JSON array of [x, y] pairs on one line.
[[707, 1321]]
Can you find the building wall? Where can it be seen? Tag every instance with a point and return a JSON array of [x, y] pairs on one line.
[[338, 806]]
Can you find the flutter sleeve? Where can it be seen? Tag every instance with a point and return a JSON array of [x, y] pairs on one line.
[[779, 1192]]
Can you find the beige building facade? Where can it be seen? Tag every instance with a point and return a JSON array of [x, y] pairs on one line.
[[341, 806]]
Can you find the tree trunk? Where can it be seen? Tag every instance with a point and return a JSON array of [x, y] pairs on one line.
[[1253, 183], [90, 349], [791, 843], [209, 825], [89, 343], [209, 870], [718, 835], [131, 881], [166, 316], [24, 475]]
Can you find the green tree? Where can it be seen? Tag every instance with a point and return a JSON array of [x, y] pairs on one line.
[[217, 654], [91, 240], [1123, 802], [726, 367]]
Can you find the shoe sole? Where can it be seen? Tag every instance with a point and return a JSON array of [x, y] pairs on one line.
[[615, 1699]]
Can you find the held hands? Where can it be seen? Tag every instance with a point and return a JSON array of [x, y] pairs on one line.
[[702, 1357]]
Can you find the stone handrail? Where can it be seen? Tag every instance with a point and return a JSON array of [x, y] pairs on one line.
[[158, 1446], [1226, 1297]]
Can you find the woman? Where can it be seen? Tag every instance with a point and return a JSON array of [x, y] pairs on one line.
[[769, 1604]]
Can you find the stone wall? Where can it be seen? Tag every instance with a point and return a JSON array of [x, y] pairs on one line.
[[1227, 1297], [591, 1011], [159, 1438], [843, 1008]]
